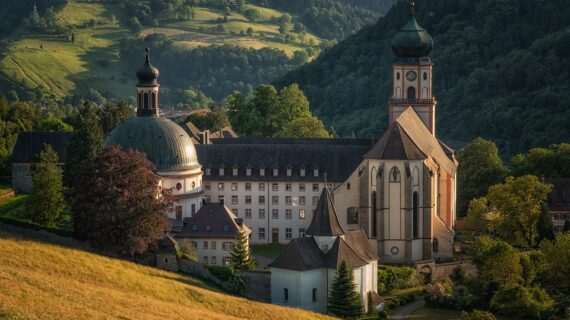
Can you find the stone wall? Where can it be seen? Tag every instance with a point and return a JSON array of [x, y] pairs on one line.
[[440, 271]]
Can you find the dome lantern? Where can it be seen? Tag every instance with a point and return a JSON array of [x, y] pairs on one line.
[[147, 75]]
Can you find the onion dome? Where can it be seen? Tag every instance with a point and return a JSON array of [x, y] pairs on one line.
[[148, 75], [412, 41], [164, 142]]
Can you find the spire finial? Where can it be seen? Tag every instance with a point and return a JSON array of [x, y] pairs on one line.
[[147, 56], [412, 8]]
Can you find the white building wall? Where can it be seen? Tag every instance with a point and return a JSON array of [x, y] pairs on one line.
[[300, 285], [215, 252], [235, 196]]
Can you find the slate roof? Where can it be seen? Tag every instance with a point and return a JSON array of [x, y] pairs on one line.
[[213, 220], [325, 221], [30, 144], [409, 138], [338, 158], [303, 254], [167, 245]]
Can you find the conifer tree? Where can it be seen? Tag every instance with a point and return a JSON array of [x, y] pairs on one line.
[[343, 300], [241, 258], [47, 203]]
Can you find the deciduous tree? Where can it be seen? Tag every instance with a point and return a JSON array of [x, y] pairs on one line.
[[118, 203]]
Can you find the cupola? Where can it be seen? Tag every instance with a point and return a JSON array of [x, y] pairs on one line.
[[412, 41]]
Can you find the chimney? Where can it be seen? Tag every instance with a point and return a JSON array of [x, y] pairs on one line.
[[205, 137]]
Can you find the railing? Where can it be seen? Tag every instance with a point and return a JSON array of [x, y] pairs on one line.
[[412, 101]]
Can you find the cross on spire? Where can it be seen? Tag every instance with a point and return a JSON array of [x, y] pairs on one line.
[[147, 56], [412, 8]]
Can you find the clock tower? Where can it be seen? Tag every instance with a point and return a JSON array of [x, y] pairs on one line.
[[412, 72]]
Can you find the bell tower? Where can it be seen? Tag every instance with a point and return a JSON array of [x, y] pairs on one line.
[[148, 89], [412, 72]]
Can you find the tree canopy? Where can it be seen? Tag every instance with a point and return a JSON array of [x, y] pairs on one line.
[[118, 203]]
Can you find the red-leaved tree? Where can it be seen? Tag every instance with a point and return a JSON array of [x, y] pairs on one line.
[[118, 203]]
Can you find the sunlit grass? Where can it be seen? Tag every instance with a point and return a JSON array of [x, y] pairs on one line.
[[44, 281]]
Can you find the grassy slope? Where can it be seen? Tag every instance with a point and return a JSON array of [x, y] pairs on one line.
[[59, 65], [92, 61], [44, 281]]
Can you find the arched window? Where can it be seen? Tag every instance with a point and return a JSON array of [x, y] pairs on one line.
[[411, 93], [140, 100], [425, 75], [373, 177], [146, 102], [154, 100], [395, 175], [397, 76], [416, 176], [415, 214], [314, 294], [285, 294]]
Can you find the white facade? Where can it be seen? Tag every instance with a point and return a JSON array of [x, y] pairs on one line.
[[215, 252], [310, 289], [275, 211], [186, 188]]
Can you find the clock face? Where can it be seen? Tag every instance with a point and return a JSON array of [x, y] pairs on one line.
[[411, 75]]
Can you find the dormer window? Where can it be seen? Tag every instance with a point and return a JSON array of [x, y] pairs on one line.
[[289, 172], [209, 228], [235, 172], [316, 172], [262, 172], [221, 172], [248, 172], [275, 172], [208, 171], [302, 172], [226, 228], [194, 227]]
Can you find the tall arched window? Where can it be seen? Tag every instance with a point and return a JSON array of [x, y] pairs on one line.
[[425, 75], [140, 100], [146, 102], [415, 215], [373, 177], [395, 175], [397, 76], [154, 100], [411, 93], [416, 176]]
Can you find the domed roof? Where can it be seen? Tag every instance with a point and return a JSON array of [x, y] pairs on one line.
[[147, 74], [165, 143], [412, 41]]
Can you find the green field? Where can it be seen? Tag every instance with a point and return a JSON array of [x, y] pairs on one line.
[[61, 66]]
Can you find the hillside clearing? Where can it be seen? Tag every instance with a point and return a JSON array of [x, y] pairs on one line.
[[46, 281]]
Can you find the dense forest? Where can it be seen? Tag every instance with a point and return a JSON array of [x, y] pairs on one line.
[[332, 19], [214, 71], [501, 72]]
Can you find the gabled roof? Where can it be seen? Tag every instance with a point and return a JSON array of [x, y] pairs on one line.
[[407, 139], [340, 252], [213, 220], [300, 254], [30, 144], [395, 144], [325, 221], [304, 254]]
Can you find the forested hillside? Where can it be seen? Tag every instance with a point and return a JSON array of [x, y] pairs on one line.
[[502, 71]]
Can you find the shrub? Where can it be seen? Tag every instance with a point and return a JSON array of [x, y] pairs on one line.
[[390, 278], [522, 303], [477, 315]]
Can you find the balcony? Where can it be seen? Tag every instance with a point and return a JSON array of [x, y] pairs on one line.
[[413, 101]]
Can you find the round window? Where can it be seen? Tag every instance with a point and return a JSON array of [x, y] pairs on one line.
[[179, 186], [395, 250]]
